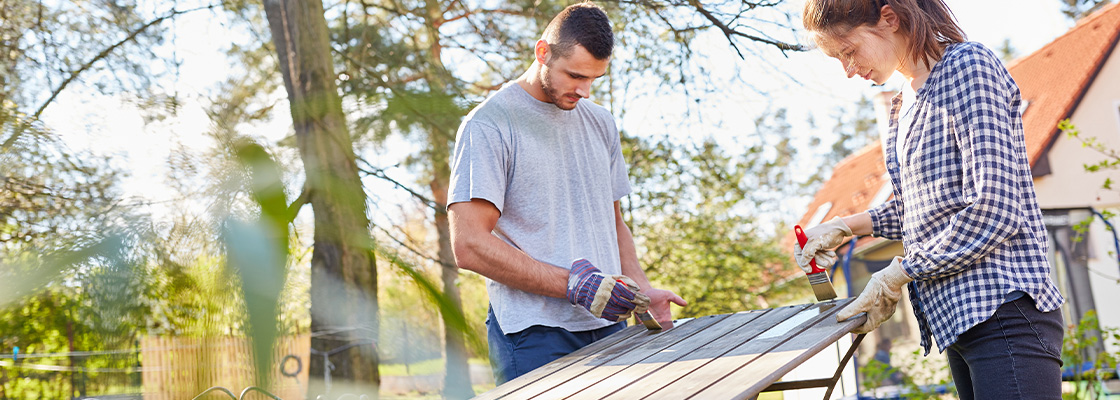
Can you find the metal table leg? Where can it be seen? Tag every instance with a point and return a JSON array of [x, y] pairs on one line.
[[830, 383]]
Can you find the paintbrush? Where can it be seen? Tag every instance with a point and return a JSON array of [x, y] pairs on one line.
[[648, 320], [818, 277], [645, 317]]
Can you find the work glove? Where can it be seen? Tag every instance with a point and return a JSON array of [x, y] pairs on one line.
[[879, 297], [821, 239], [602, 294]]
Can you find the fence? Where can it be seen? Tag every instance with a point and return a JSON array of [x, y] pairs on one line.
[[181, 368]]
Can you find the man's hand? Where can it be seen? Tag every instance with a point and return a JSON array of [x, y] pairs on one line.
[[821, 240], [879, 297], [659, 305], [602, 294]]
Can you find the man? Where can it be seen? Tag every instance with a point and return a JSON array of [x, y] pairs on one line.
[[533, 206]]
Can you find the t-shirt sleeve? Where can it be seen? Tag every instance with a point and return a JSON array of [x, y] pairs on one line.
[[620, 174], [479, 165]]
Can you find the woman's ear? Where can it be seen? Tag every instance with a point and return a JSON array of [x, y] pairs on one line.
[[888, 19]]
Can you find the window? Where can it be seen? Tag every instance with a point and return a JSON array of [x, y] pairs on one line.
[[884, 192], [819, 215]]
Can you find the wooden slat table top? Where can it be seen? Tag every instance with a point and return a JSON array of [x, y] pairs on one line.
[[728, 356]]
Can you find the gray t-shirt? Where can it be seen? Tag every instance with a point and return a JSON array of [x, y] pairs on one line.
[[554, 175]]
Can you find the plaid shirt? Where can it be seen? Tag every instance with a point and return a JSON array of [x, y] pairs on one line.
[[964, 204]]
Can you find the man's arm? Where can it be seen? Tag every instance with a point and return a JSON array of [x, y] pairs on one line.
[[476, 249], [628, 255]]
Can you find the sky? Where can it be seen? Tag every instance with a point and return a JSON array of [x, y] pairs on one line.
[[105, 125]]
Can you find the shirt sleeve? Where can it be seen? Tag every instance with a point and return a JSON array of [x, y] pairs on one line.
[[886, 220], [479, 165], [620, 173], [982, 107]]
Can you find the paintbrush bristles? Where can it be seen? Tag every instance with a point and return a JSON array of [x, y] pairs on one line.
[[647, 319], [822, 287]]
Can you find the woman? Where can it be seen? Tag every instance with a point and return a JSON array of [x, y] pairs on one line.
[[964, 204]]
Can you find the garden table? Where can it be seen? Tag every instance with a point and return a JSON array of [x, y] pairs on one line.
[[726, 356]]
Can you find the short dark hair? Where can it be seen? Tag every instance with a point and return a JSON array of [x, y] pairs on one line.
[[584, 24]]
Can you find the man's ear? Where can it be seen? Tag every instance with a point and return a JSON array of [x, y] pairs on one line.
[[888, 19], [541, 51]]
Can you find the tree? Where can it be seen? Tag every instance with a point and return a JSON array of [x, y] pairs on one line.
[[1006, 51], [343, 267], [1077, 9], [394, 54], [854, 129], [699, 216]]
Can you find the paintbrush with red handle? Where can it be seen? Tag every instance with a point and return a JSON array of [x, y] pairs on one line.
[[818, 277]]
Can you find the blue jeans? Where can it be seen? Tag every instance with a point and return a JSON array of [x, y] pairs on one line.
[[1015, 354], [515, 354]]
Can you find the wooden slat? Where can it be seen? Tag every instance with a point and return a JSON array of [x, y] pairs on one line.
[[672, 374], [771, 366], [622, 376], [652, 346], [648, 344], [747, 348], [579, 355]]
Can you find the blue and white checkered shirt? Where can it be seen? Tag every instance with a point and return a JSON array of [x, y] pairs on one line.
[[964, 204]]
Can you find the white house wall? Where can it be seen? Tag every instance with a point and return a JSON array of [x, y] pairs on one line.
[[1070, 186], [1104, 273]]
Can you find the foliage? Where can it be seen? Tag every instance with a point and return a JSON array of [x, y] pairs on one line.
[[1112, 157], [1089, 371], [183, 277], [695, 216], [51, 198], [451, 314], [875, 375], [47, 322], [1111, 162], [1006, 51], [855, 128], [921, 377], [108, 47], [1077, 9], [1086, 371]]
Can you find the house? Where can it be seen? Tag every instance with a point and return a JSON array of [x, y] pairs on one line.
[[1077, 76]]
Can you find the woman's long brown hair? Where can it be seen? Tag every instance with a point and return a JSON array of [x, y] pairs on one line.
[[929, 23]]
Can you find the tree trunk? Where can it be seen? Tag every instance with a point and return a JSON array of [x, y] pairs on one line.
[[343, 268], [457, 379]]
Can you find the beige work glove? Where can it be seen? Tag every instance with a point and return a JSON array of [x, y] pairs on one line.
[[821, 239], [879, 297]]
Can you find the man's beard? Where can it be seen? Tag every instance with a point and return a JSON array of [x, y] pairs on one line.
[[554, 95]]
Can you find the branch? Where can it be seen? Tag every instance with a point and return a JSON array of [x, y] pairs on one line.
[[729, 32], [304, 198], [100, 56], [380, 173], [385, 84], [414, 251]]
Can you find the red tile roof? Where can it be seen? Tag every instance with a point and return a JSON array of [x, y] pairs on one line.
[[1054, 78], [854, 183], [1053, 81]]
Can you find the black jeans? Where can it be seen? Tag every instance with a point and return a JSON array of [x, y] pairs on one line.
[[1015, 354]]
